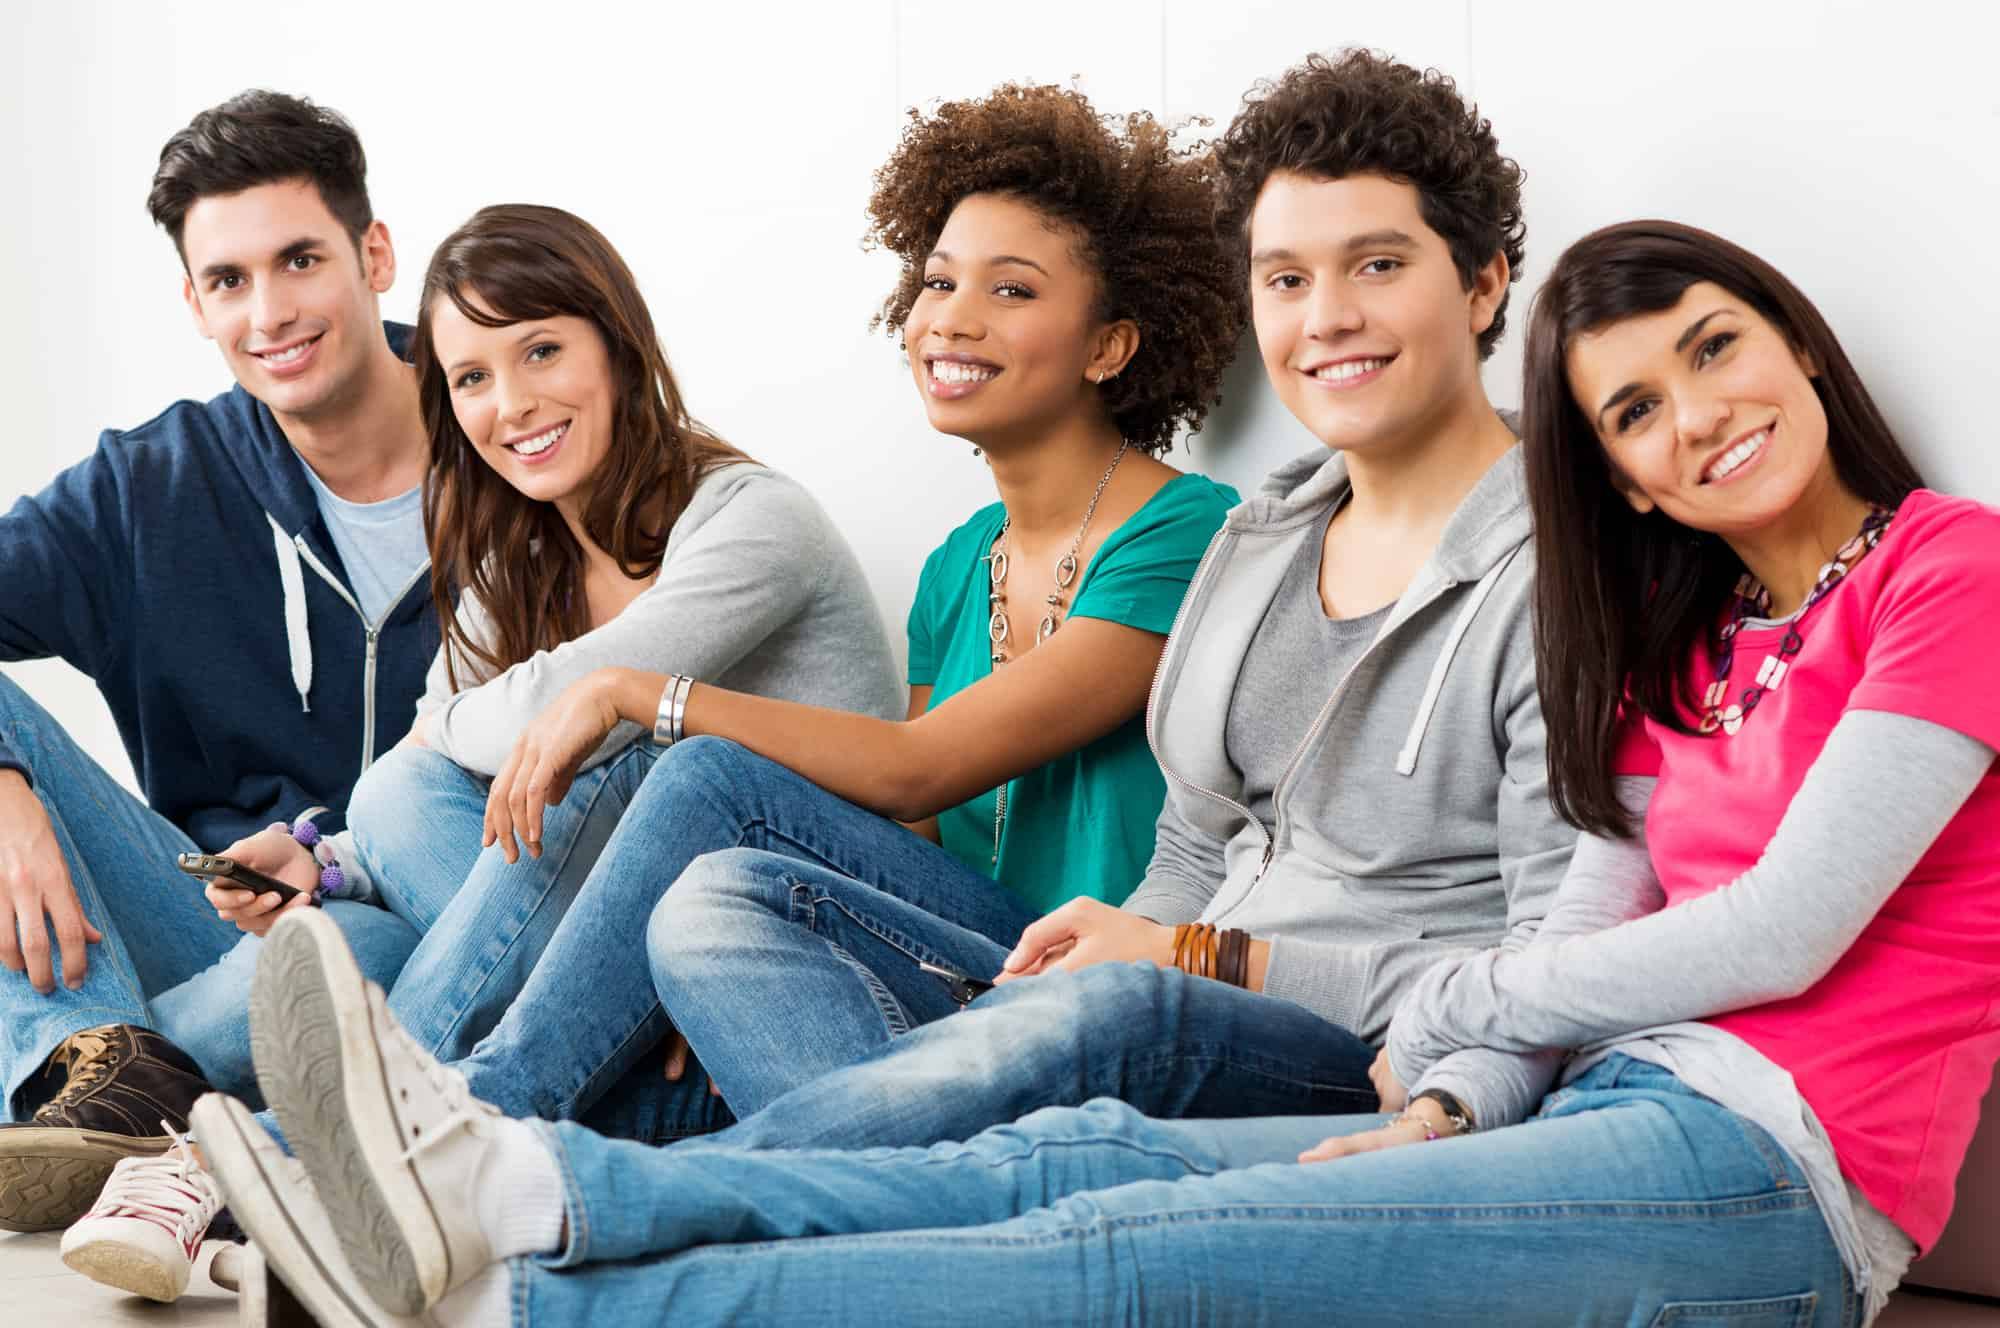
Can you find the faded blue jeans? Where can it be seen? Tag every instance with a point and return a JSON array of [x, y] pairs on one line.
[[166, 962], [789, 957], [418, 818], [582, 1040], [1628, 1200]]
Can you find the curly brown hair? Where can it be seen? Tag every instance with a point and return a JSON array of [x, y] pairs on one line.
[[1143, 212], [1364, 114]]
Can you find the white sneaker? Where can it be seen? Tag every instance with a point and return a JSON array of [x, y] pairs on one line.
[[293, 1236], [144, 1231], [394, 1141]]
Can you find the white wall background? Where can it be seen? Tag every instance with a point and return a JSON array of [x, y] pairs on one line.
[[727, 150]]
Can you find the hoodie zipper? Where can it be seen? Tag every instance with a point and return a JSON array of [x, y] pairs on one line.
[[1272, 836], [1313, 730], [373, 632]]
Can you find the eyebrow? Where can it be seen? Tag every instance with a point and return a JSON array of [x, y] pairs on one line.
[[1686, 340], [532, 330], [1383, 239], [1694, 330], [305, 244], [996, 261]]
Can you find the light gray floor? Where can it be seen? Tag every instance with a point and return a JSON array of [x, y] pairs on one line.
[[35, 1288]]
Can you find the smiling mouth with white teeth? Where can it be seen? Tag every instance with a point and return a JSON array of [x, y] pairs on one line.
[[287, 355], [1346, 370], [951, 371], [1737, 455], [541, 442]]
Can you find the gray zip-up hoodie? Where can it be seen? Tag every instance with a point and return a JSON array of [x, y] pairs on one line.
[[1413, 822]]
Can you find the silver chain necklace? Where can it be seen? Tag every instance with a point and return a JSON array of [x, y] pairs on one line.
[[997, 629]]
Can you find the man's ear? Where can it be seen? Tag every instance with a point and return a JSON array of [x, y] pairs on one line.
[[194, 306], [1489, 287], [378, 257]]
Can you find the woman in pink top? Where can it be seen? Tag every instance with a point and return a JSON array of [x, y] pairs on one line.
[[1773, 652], [1768, 983]]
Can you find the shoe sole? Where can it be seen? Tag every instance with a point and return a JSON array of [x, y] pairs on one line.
[[281, 1248], [318, 1064], [49, 1177], [115, 1263]]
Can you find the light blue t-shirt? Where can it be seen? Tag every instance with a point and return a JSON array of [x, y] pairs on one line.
[[381, 544]]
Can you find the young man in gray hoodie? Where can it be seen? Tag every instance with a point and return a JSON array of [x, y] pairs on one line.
[[1347, 715]]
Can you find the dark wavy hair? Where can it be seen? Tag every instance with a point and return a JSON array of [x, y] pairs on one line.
[[522, 262], [257, 138], [1622, 599], [1364, 114], [1140, 207]]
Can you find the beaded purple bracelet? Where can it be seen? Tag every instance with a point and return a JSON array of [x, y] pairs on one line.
[[332, 880]]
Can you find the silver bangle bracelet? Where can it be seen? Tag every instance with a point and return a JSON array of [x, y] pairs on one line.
[[666, 722], [681, 707]]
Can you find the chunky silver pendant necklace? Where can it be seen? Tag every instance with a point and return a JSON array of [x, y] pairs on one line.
[[997, 629]]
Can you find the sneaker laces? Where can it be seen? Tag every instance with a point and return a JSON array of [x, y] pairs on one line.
[[462, 1109], [171, 1190], [86, 1058]]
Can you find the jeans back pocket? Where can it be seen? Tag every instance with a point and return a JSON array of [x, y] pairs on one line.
[[1778, 1312]]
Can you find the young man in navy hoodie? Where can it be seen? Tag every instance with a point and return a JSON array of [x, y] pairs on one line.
[[246, 582]]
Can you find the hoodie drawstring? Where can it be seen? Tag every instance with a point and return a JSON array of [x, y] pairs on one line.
[[1406, 759], [298, 640]]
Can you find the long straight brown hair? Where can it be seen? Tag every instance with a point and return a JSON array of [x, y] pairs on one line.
[[1622, 599], [516, 554]]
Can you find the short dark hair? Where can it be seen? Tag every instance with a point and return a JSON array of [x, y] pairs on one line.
[[1140, 207], [1623, 599], [1365, 114], [255, 138]]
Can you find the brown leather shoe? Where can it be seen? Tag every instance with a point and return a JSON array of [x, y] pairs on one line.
[[124, 1084]]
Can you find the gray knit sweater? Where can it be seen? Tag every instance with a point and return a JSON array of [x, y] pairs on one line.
[[758, 592]]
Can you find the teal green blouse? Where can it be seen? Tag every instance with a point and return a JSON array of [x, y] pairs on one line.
[[1083, 823]]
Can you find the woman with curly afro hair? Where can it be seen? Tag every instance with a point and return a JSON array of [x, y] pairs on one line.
[[1066, 308]]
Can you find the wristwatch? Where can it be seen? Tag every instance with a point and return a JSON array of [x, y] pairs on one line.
[[1454, 1110]]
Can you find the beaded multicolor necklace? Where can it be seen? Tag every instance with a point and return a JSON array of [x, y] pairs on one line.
[[1753, 597], [996, 602]]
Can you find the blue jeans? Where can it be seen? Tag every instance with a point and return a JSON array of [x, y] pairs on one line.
[[791, 968], [417, 819], [1158, 1039], [166, 962], [1628, 1200], [581, 1040]]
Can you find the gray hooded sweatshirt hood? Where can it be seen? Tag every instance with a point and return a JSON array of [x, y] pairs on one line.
[[1412, 822]]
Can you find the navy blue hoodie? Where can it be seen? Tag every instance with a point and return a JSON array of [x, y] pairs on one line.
[[185, 568]]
